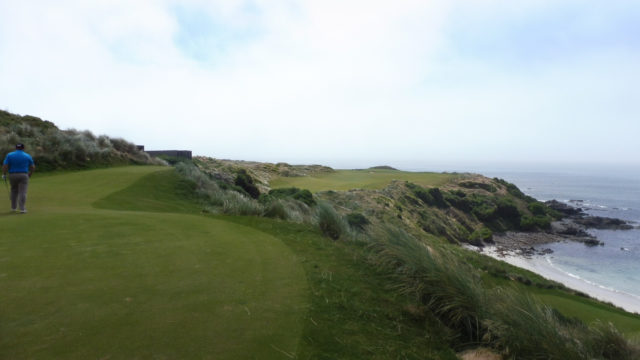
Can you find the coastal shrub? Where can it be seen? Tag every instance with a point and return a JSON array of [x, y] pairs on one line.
[[438, 198], [357, 220], [507, 209], [513, 190], [330, 222], [480, 236], [485, 211], [478, 185], [507, 213], [303, 195], [529, 223], [458, 201], [424, 196], [245, 181], [537, 208], [430, 197]]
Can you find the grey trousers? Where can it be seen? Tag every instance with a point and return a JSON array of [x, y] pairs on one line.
[[19, 185]]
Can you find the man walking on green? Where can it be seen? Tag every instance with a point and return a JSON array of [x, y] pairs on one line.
[[20, 166]]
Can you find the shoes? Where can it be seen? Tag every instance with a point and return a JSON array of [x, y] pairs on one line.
[[13, 210], [23, 211]]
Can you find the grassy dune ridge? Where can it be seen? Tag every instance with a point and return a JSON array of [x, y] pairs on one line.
[[440, 215]]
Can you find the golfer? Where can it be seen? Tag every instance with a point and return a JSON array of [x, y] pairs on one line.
[[20, 166]]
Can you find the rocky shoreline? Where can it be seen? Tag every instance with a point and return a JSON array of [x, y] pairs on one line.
[[572, 227]]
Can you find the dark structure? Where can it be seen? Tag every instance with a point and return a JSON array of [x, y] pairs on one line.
[[181, 154]]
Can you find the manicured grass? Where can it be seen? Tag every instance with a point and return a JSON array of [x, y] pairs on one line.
[[85, 283], [359, 179]]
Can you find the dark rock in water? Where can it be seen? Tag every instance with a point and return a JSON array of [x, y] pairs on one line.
[[545, 252], [563, 208], [573, 231], [603, 223], [592, 242]]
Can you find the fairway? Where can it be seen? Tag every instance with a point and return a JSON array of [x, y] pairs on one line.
[[80, 282], [372, 179]]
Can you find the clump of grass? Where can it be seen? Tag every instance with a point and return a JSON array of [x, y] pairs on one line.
[[298, 211], [237, 204], [276, 209], [523, 328], [330, 222], [605, 341], [435, 279], [509, 321], [357, 221]]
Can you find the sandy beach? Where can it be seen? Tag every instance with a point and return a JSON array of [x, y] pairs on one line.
[[540, 265]]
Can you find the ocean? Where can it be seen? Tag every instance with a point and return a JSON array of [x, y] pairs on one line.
[[614, 266]]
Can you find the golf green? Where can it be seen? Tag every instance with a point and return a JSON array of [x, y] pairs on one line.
[[81, 282]]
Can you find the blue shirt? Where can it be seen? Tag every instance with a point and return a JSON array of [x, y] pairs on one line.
[[18, 162]]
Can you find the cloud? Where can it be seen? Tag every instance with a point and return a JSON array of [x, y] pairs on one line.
[[321, 81]]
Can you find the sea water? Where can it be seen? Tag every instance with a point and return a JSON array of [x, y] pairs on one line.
[[616, 264]]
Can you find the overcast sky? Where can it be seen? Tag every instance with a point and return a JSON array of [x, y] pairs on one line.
[[415, 84]]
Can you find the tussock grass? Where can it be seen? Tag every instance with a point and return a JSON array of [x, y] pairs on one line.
[[513, 322], [526, 329], [435, 279], [218, 199], [330, 222], [54, 149], [607, 342]]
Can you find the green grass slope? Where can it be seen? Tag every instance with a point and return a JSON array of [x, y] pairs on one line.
[[373, 179], [135, 279]]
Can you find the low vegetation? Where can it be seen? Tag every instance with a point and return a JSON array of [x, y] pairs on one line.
[[55, 149], [510, 321], [371, 266], [471, 309]]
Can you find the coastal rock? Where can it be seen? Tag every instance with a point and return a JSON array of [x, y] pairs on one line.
[[570, 228], [563, 208], [576, 220], [592, 242], [603, 223]]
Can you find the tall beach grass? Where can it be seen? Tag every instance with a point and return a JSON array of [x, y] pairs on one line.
[[512, 322]]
